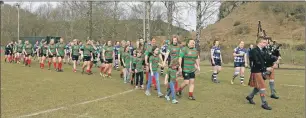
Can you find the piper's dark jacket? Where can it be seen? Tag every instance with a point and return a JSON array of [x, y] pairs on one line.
[[257, 59], [272, 54]]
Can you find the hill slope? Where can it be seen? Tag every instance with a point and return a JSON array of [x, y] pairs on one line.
[[283, 21]]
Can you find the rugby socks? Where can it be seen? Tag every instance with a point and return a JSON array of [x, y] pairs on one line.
[[162, 71], [255, 91], [54, 65], [154, 81], [214, 75], [271, 84], [176, 86], [190, 94], [262, 96], [10, 58], [59, 65], [235, 75], [117, 65], [241, 79]]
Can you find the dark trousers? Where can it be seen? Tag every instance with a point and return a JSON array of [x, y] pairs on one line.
[[139, 78]]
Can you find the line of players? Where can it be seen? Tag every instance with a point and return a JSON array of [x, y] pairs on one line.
[[145, 58]]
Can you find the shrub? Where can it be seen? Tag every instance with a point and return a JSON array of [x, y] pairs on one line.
[[300, 47], [242, 29]]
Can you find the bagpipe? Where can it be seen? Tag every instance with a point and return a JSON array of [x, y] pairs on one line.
[[273, 48]]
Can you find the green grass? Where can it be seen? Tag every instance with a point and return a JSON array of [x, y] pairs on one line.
[[293, 57], [27, 90]]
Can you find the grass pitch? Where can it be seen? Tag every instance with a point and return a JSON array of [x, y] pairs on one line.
[[32, 92]]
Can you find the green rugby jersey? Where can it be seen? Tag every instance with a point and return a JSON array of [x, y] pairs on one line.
[[127, 59], [19, 47], [139, 66], [174, 51], [75, 49], [133, 60], [52, 48], [190, 56], [109, 50], [28, 48], [154, 60], [149, 49], [60, 49], [44, 49], [172, 74], [87, 49]]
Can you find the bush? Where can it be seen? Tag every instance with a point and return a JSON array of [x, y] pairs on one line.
[[242, 29], [237, 23], [300, 47]]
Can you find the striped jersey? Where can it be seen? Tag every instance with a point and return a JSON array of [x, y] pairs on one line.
[[216, 52], [239, 50], [190, 55]]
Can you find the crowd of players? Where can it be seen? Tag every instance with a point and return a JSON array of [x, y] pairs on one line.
[[146, 59]]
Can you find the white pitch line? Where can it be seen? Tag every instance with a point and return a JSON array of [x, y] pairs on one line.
[[293, 85], [82, 103], [41, 112]]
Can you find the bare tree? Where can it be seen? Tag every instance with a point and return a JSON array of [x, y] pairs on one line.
[[148, 16], [170, 8], [204, 11]]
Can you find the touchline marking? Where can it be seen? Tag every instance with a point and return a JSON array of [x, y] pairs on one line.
[[82, 103], [293, 85], [41, 112]]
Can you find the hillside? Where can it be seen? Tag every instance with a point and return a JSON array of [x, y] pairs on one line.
[[283, 21], [34, 25]]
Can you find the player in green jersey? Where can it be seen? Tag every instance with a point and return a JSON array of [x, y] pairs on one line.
[[173, 51], [94, 54], [108, 57], [97, 53], [28, 50], [133, 66], [14, 52], [190, 65], [139, 70], [87, 51], [121, 50], [126, 58], [52, 54], [60, 52], [19, 47], [154, 62], [172, 73], [75, 53], [148, 54], [43, 48], [102, 66]]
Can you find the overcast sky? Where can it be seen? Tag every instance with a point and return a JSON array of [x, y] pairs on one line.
[[186, 16]]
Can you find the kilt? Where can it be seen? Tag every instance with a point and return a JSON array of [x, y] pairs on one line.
[[257, 81]]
